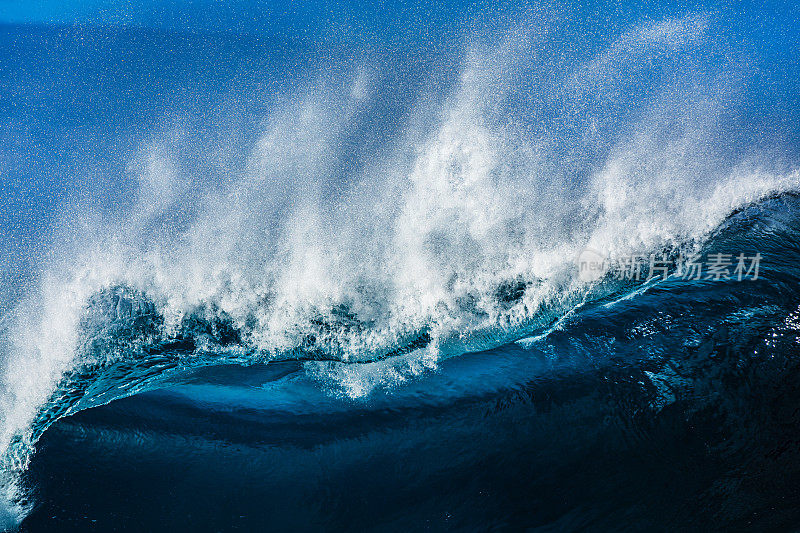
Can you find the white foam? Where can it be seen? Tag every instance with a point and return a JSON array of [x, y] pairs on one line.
[[469, 196]]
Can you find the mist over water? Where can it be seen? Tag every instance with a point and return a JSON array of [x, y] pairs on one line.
[[395, 210]]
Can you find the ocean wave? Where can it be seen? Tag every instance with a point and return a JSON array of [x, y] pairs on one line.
[[458, 234]]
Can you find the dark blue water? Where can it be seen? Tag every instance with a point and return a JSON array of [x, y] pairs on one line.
[[673, 409], [273, 267]]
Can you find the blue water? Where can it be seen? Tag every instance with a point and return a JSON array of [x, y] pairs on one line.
[[281, 267]]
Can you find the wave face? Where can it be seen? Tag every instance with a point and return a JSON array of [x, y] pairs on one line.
[[377, 233]]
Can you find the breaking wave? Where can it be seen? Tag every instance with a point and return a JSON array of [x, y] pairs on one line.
[[344, 239]]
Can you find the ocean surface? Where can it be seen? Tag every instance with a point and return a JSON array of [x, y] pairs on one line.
[[452, 267]]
